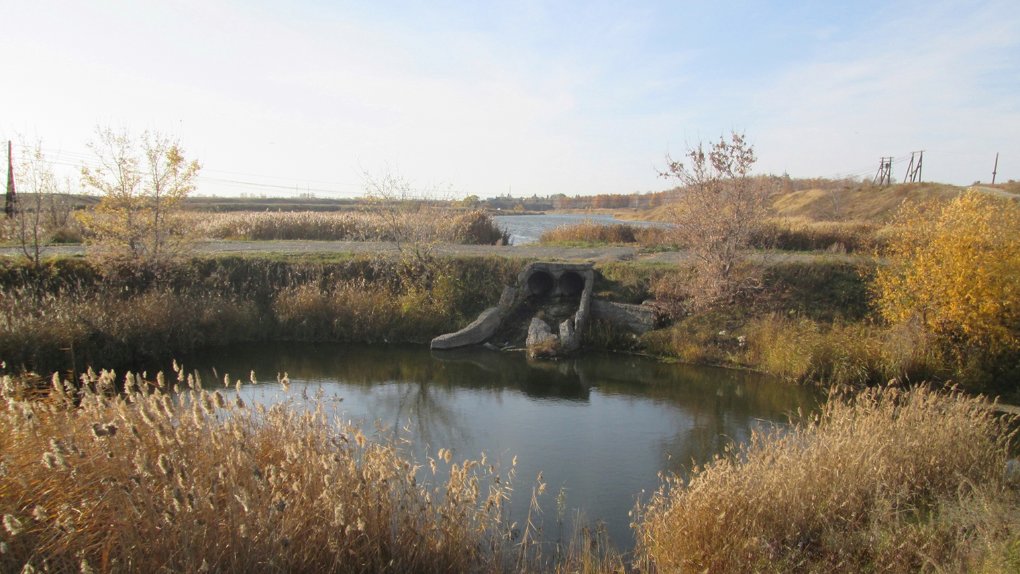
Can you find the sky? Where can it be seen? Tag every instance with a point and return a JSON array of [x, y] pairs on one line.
[[526, 97]]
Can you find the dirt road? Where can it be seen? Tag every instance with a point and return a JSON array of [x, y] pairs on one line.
[[530, 251]]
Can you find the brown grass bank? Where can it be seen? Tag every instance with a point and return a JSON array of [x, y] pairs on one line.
[[68, 314], [889, 481]]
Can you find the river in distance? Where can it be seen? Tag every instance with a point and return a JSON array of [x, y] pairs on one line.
[[525, 229], [599, 427]]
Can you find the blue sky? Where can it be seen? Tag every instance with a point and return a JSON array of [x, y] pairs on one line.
[[533, 97]]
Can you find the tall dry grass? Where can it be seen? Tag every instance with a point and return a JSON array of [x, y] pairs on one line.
[[356, 310], [840, 353], [802, 234], [68, 314], [592, 232], [69, 328], [156, 480], [425, 225], [890, 480]]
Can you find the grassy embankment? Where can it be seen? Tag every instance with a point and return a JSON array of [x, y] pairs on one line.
[[811, 321], [72, 313]]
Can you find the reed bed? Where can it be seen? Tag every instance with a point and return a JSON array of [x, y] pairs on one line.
[[790, 234], [594, 233], [156, 479], [424, 225], [800, 234], [890, 480]]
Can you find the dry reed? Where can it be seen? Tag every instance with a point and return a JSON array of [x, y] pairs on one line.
[[891, 480], [424, 225], [592, 232], [156, 480]]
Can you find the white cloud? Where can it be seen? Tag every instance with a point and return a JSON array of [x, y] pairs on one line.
[[913, 84], [551, 99]]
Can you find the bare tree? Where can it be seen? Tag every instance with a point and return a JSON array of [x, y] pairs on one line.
[[142, 187], [37, 216], [720, 210], [410, 215], [410, 218]]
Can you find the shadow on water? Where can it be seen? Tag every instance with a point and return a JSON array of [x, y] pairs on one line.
[[598, 426]]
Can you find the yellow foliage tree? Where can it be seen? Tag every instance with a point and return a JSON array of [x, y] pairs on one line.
[[954, 268], [142, 190]]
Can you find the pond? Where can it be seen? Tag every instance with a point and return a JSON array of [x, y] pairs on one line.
[[600, 427], [525, 229]]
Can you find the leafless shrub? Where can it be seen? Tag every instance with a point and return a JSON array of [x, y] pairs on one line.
[[42, 213], [720, 210]]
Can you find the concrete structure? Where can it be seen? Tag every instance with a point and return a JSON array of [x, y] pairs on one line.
[[560, 292]]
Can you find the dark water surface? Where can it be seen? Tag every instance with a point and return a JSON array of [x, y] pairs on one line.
[[599, 427]]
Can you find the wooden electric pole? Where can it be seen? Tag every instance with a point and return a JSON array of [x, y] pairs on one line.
[[914, 168], [884, 174], [996, 168], [10, 199]]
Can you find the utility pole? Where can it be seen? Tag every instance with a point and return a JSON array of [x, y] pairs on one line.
[[10, 200], [996, 168], [914, 168], [884, 174]]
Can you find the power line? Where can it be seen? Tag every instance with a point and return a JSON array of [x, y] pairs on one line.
[[73, 159]]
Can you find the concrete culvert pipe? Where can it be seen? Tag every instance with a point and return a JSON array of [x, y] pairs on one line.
[[571, 284], [540, 283]]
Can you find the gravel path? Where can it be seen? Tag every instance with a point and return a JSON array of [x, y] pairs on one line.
[[358, 247], [532, 251]]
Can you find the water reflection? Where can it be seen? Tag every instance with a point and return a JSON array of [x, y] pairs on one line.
[[600, 427]]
